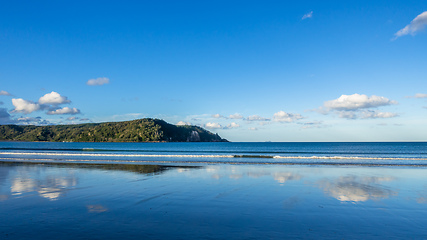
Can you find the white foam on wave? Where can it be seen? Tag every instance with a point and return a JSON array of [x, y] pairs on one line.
[[204, 156], [345, 157]]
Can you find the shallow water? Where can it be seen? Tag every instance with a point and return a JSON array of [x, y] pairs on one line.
[[406, 153], [218, 201]]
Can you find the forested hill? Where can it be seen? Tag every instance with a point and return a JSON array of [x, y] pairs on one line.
[[141, 130]]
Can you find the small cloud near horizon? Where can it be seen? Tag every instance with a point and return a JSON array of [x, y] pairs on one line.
[[182, 123], [217, 116], [72, 118], [232, 116], [232, 125], [358, 106], [416, 25], [313, 124], [212, 125], [98, 81], [32, 121], [282, 116], [236, 116], [256, 118], [65, 110]]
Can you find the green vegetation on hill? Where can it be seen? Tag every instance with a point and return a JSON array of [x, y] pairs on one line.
[[141, 130]]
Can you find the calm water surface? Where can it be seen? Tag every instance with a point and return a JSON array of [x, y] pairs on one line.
[[220, 201], [213, 190]]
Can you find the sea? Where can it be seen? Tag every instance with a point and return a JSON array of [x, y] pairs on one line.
[[213, 190], [341, 153]]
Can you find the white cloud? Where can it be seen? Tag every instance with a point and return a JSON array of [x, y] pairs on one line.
[[282, 116], [418, 95], [5, 118], [65, 110], [211, 125], [98, 82], [314, 124], [307, 15], [72, 118], [357, 106], [415, 26], [357, 101], [365, 114], [347, 114], [375, 114], [232, 116], [53, 98], [235, 116], [256, 118], [4, 93], [217, 116], [253, 128], [32, 121], [232, 125], [49, 101], [182, 123], [24, 106], [357, 189]]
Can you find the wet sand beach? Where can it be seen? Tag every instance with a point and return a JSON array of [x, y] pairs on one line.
[[211, 201]]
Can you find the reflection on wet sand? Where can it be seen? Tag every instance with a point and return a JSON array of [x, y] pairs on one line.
[[96, 208], [28, 178], [280, 177], [143, 169], [51, 187], [164, 202], [357, 189]]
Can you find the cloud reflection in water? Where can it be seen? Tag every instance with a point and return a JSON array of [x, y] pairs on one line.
[[357, 189], [96, 208], [51, 187], [233, 173]]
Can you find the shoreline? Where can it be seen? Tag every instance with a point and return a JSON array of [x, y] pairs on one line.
[[200, 163]]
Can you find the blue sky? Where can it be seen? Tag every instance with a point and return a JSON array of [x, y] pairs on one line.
[[247, 70]]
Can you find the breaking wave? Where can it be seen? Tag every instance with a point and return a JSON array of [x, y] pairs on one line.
[[202, 156]]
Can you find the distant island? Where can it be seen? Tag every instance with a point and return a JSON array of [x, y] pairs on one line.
[[141, 130]]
